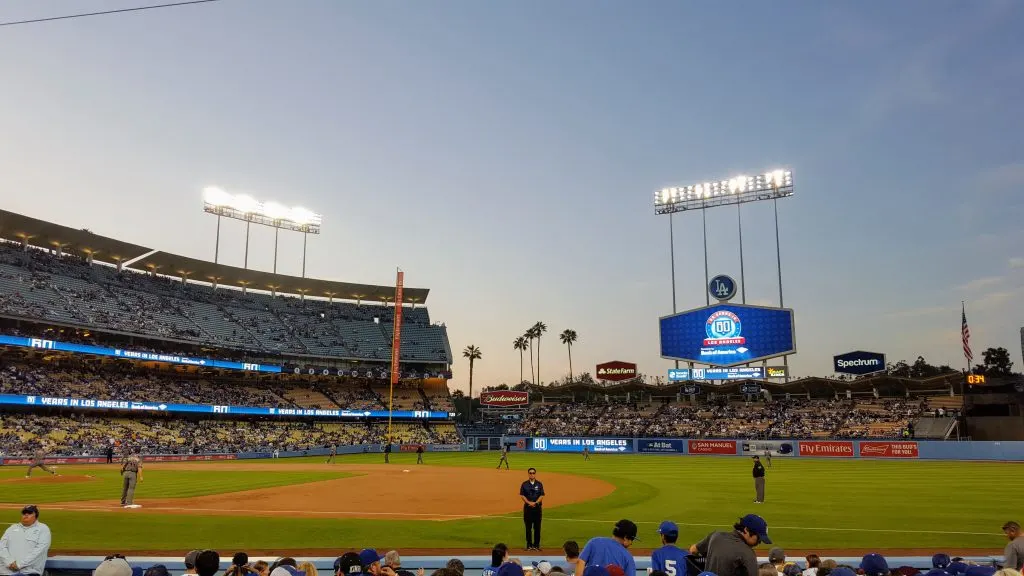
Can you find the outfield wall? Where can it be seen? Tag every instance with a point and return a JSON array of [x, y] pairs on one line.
[[1012, 451]]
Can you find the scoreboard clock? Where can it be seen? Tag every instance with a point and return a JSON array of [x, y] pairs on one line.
[[975, 378]]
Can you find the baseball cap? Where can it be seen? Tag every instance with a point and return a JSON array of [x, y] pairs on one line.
[[368, 556], [348, 563], [511, 569], [113, 567], [626, 529], [157, 570], [842, 571], [706, 573], [30, 509], [776, 555], [544, 567], [874, 565], [190, 559], [757, 525], [940, 560], [668, 527]]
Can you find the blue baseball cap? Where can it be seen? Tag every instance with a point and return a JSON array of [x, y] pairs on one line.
[[940, 561], [874, 565], [668, 527], [706, 573], [757, 525], [368, 556], [511, 569], [842, 571]]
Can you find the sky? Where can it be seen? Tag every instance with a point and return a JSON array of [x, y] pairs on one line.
[[505, 154]]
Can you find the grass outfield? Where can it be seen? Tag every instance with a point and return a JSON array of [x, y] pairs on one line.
[[812, 504]]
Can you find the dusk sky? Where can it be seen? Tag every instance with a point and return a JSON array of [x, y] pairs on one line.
[[505, 154]]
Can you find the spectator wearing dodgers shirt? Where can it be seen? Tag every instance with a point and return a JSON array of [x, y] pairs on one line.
[[669, 559], [603, 551]]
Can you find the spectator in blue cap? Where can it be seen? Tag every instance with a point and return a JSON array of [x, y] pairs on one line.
[[957, 567], [370, 561], [603, 551], [874, 565], [669, 559], [941, 561], [732, 553]]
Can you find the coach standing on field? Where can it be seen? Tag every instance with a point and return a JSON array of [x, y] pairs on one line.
[[532, 493], [758, 481]]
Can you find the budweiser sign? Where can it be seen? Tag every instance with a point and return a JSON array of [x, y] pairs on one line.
[[616, 371], [504, 398], [888, 449], [827, 449], [711, 446]]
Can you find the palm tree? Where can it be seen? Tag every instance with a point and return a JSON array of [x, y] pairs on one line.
[[473, 353], [530, 335], [538, 329], [520, 344], [568, 336]]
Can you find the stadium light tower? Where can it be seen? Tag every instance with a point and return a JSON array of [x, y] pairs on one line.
[[738, 190], [241, 207]]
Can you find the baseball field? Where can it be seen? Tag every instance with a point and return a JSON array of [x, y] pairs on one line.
[[458, 503]]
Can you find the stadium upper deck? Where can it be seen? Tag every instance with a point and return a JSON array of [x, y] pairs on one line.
[[84, 280]]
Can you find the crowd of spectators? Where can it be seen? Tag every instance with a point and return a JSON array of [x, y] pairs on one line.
[[40, 285], [794, 418]]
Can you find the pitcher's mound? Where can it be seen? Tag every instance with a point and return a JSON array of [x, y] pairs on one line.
[[50, 479]]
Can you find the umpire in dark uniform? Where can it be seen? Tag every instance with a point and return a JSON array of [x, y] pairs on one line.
[[758, 481], [532, 493]]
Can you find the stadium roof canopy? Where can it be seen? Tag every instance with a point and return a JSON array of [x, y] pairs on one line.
[[34, 232]]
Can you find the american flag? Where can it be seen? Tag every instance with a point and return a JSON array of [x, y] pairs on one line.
[[965, 332]]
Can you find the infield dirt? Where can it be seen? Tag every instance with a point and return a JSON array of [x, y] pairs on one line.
[[375, 491]]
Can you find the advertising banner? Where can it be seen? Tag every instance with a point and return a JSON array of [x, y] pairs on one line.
[[614, 445], [616, 371], [135, 354], [859, 363], [827, 448], [409, 447], [888, 449], [504, 398], [93, 404], [711, 447], [661, 446], [762, 447], [726, 335]]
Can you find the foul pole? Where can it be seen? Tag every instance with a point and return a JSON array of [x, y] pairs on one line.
[[396, 345]]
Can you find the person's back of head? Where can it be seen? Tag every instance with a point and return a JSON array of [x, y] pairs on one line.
[[571, 549], [813, 561], [767, 569], [207, 563], [456, 565], [392, 559]]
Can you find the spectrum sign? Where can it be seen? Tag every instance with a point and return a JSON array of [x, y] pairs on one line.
[[859, 363], [728, 335]]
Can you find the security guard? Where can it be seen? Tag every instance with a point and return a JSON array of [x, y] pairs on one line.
[[532, 493]]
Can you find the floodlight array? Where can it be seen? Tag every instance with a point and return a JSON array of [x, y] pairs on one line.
[[244, 207], [736, 190]]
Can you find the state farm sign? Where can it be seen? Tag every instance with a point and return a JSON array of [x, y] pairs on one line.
[[711, 446], [888, 449], [504, 398], [616, 371], [827, 449]]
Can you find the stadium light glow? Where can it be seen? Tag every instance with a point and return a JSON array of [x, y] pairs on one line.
[[244, 207], [740, 189]]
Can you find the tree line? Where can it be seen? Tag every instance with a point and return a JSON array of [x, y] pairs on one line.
[[522, 344]]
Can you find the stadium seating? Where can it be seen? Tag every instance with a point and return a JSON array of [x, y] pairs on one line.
[[38, 285]]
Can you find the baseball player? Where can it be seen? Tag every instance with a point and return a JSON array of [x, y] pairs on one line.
[[504, 457], [586, 452], [334, 453], [387, 453], [131, 471], [768, 457], [419, 454], [38, 462], [758, 481]]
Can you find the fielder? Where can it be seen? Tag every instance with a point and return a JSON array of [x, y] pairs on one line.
[[131, 471], [504, 457], [419, 454], [586, 452], [334, 453], [38, 462], [768, 457]]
